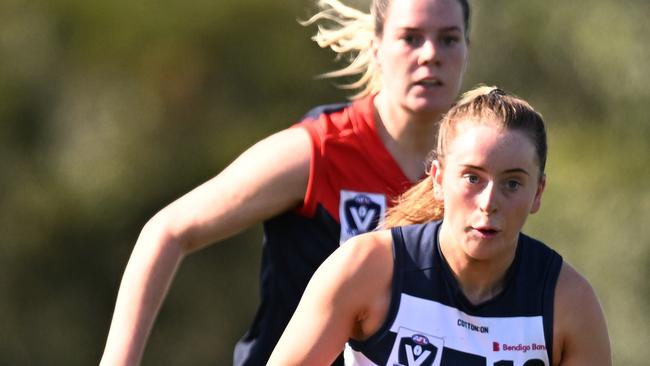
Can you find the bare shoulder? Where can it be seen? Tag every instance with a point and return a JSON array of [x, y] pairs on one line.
[[580, 330], [276, 169], [366, 256], [268, 178], [575, 300], [370, 255], [572, 286], [291, 144]]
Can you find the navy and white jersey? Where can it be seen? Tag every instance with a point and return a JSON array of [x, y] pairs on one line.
[[352, 181], [430, 322]]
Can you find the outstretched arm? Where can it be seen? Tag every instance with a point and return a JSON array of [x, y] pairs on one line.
[[580, 332], [348, 297], [267, 179]]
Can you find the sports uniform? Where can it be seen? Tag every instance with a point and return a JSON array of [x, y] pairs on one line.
[[430, 321], [352, 179]]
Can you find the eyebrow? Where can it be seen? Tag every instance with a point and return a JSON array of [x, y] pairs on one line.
[[507, 171], [451, 28]]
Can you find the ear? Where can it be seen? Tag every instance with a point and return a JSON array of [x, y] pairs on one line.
[[537, 201], [375, 50], [436, 177]]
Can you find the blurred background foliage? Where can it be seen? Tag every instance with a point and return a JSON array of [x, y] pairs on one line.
[[111, 109]]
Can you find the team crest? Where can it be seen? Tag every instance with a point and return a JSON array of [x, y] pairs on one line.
[[360, 212], [412, 348]]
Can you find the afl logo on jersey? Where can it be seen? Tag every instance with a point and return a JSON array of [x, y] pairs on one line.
[[360, 212], [420, 339]]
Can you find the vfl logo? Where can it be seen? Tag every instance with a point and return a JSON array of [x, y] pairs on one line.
[[415, 349], [360, 212]]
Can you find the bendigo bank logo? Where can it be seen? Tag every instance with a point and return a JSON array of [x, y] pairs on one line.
[[523, 348], [360, 212]]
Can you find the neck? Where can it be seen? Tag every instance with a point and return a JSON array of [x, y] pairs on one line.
[[409, 137], [480, 280]]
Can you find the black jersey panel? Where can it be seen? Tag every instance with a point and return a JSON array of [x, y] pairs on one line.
[[317, 112]]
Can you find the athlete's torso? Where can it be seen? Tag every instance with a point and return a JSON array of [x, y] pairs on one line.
[[351, 183], [431, 322]]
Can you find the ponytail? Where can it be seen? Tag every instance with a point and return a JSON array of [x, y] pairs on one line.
[[415, 206]]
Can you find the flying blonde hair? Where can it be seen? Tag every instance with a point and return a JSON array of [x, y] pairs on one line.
[[348, 32]]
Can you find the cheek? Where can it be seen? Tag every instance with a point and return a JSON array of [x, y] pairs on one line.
[[520, 211], [457, 198], [397, 57], [459, 61]]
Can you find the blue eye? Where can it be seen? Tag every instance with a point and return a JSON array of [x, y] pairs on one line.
[[513, 185], [472, 179]]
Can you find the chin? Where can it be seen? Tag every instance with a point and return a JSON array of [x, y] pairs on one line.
[[482, 251], [428, 110], [429, 107]]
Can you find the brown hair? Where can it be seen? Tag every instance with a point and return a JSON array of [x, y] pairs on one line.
[[489, 105]]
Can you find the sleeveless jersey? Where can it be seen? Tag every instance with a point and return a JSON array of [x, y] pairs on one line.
[[430, 321], [352, 180]]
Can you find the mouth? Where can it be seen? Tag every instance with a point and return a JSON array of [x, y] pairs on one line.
[[487, 231], [429, 82]]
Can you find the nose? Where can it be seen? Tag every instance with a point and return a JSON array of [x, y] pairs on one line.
[[428, 53], [487, 199]]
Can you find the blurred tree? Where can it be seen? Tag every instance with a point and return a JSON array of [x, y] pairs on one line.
[[110, 110]]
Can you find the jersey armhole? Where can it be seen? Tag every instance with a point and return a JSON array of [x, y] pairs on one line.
[[548, 309], [308, 207], [395, 294]]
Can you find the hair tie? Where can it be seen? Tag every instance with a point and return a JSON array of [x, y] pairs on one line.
[[497, 91]]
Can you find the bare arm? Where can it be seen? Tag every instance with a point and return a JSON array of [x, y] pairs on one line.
[[348, 297], [267, 179], [580, 332]]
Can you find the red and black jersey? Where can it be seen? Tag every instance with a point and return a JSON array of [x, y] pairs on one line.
[[352, 180]]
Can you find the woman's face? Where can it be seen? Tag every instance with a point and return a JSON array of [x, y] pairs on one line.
[[422, 54], [490, 182]]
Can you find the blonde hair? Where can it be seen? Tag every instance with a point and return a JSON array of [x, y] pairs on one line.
[[349, 32], [484, 104]]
